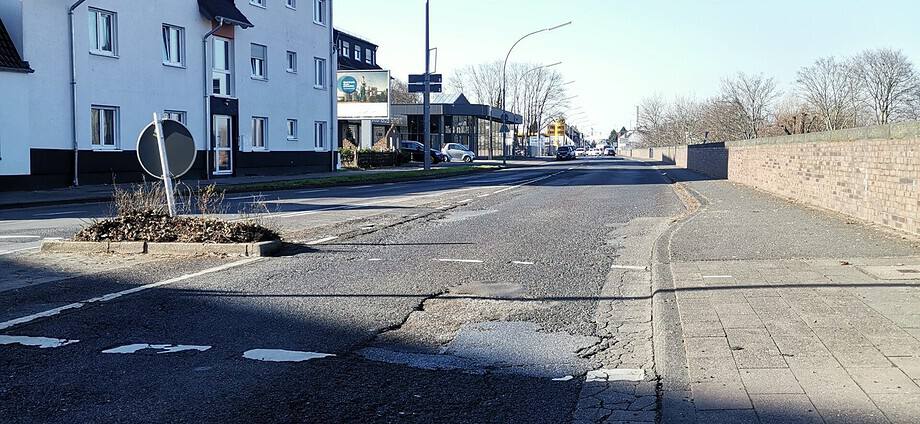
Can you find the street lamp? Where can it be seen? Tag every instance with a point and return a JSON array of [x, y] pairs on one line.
[[504, 86]]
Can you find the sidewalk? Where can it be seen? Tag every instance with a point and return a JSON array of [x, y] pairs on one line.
[[788, 314]]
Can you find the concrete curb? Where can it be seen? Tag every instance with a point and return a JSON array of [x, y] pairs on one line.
[[265, 248]]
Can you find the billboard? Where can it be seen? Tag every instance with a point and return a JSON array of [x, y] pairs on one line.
[[363, 94]]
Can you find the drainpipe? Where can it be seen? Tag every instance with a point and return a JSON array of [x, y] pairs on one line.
[[207, 97], [333, 87], [73, 97]]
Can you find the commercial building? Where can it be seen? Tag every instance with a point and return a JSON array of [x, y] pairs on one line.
[[251, 79], [455, 120]]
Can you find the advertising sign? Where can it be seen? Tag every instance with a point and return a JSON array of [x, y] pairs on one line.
[[363, 94]]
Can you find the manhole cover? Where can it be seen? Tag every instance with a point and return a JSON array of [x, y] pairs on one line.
[[909, 272]]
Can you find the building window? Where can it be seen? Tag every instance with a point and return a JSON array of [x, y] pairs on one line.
[[292, 129], [104, 121], [259, 129], [175, 115], [319, 12], [260, 3], [367, 56], [259, 62], [103, 30], [357, 52], [346, 49], [319, 67], [222, 67], [292, 62], [319, 134], [173, 45], [292, 4]]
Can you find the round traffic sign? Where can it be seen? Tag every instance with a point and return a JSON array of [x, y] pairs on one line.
[[180, 149]]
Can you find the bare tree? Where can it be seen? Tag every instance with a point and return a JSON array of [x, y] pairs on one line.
[[827, 87], [480, 83], [888, 81], [751, 98], [399, 93]]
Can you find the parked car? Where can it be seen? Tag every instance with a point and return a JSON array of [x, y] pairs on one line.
[[610, 151], [565, 153], [415, 149], [459, 152]]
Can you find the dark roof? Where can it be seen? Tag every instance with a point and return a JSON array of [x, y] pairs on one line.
[[350, 64], [341, 34], [225, 9], [9, 56]]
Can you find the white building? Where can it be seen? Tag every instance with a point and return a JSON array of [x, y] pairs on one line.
[[252, 79]]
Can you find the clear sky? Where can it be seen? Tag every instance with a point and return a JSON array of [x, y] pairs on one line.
[[619, 51]]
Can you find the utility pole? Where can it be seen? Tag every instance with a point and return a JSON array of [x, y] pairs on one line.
[[427, 93]]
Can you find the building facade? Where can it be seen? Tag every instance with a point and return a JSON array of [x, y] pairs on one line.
[[253, 80]]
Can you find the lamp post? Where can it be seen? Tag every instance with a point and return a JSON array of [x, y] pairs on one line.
[[504, 86]]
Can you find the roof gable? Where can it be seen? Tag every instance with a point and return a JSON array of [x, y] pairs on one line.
[[226, 9], [9, 56]]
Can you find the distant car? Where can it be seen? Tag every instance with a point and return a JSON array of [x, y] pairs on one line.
[[593, 152], [610, 151], [416, 149], [458, 151], [565, 153], [580, 151]]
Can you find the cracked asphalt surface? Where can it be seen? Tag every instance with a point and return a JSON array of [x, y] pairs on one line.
[[535, 254]]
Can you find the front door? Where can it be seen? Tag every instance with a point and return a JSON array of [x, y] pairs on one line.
[[223, 145]]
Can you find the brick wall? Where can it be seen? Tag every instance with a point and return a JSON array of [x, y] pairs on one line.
[[871, 173]]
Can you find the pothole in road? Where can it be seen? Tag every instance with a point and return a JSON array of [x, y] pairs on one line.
[[480, 336]]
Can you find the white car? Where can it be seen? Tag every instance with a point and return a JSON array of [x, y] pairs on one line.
[[580, 151]]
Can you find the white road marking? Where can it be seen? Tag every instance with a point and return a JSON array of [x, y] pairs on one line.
[[467, 261], [162, 348], [374, 260], [717, 276], [10, 252], [322, 240], [313, 191], [566, 378], [279, 355], [40, 342], [522, 263], [529, 182], [52, 312], [241, 197], [58, 213], [18, 237], [615, 374], [465, 201], [359, 187], [633, 267], [484, 195]]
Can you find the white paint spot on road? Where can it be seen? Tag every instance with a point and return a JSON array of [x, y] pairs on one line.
[[467, 261], [632, 267], [39, 342], [522, 263], [162, 348], [566, 378], [280, 355], [322, 240], [615, 374]]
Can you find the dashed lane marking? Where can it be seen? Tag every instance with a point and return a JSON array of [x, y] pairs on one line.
[[280, 355], [522, 263], [111, 296], [160, 348], [466, 261], [17, 236], [319, 190], [322, 240], [39, 342]]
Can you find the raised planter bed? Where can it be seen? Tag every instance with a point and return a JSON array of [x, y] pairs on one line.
[[265, 248]]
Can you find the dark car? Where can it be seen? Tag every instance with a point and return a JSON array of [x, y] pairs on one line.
[[415, 149], [565, 153]]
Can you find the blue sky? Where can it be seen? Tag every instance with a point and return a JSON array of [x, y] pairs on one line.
[[620, 51]]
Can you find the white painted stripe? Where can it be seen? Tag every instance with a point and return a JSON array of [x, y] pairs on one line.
[[313, 191], [322, 240], [359, 187], [242, 197], [566, 378], [280, 355], [51, 312], [465, 201], [717, 276], [634, 267], [468, 261], [10, 252], [522, 263], [162, 348], [39, 342], [484, 195], [18, 237], [58, 213], [374, 260]]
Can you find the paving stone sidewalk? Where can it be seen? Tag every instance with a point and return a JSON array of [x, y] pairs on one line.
[[815, 320]]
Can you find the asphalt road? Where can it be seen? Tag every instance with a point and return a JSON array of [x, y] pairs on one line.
[[473, 311]]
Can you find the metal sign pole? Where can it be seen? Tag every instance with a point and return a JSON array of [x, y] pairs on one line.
[[167, 177], [427, 94]]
